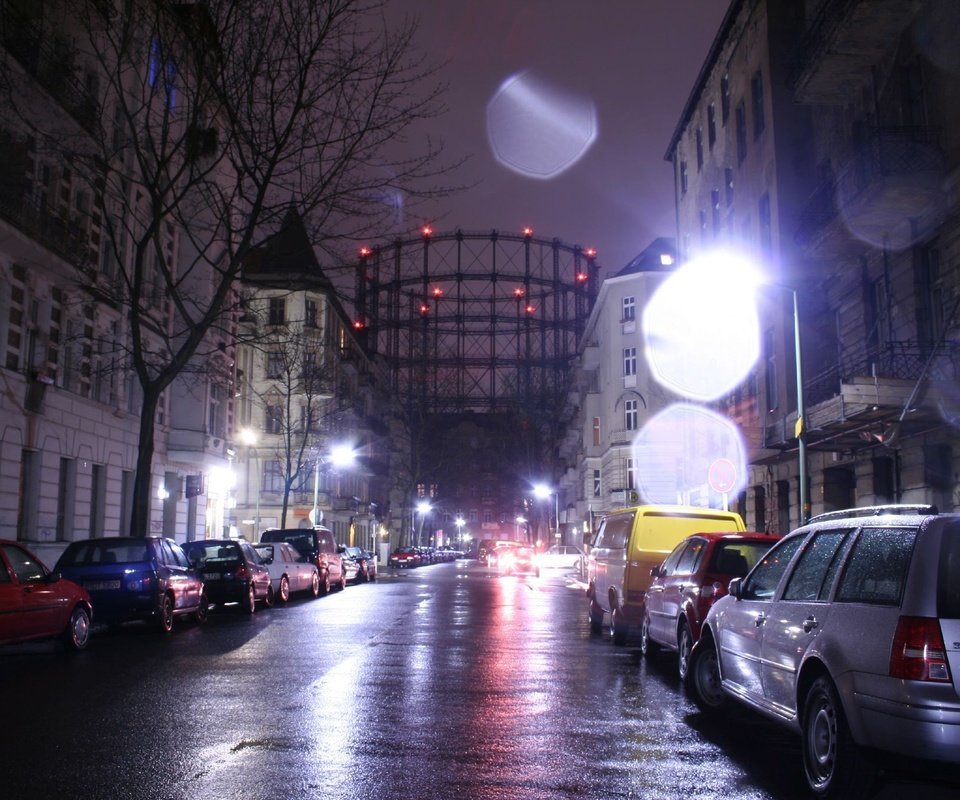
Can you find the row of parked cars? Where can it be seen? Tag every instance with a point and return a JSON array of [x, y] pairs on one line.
[[114, 580], [846, 630], [408, 556]]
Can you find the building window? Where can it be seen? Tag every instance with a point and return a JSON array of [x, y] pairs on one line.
[[217, 412], [274, 364], [277, 311], [770, 374], [272, 477], [631, 475], [596, 430], [684, 180], [756, 90], [699, 149], [766, 224], [931, 317], [629, 308], [711, 125], [274, 419], [728, 184], [741, 132], [310, 314], [630, 415], [629, 360], [596, 483], [760, 508], [725, 99]]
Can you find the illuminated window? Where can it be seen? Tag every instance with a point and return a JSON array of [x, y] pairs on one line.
[[596, 483], [631, 475]]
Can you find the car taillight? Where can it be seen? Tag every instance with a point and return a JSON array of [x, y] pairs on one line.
[[241, 572], [918, 653], [140, 581]]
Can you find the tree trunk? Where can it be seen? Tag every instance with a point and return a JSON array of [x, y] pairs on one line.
[[140, 511]]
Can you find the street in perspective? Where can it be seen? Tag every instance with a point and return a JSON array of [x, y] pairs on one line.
[[449, 680]]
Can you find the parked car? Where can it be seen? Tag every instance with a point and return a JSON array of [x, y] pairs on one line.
[[691, 579], [351, 567], [847, 631], [518, 560], [365, 561], [145, 578], [36, 603], [631, 542], [232, 572], [561, 556], [290, 572], [404, 557], [318, 547]]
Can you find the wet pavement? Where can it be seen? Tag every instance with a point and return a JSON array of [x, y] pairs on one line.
[[446, 681]]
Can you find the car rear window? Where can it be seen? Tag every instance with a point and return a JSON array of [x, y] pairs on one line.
[[216, 551], [101, 552], [876, 570], [948, 593], [615, 532], [738, 558]]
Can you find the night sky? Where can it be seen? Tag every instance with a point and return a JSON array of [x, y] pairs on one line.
[[557, 72]]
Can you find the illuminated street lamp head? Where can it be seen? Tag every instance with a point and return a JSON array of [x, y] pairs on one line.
[[342, 456], [541, 491], [248, 436], [423, 506], [460, 521]]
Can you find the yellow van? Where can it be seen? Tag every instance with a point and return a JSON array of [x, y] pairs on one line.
[[629, 543]]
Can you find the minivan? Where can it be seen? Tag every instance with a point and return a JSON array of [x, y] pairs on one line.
[[318, 547], [629, 543]]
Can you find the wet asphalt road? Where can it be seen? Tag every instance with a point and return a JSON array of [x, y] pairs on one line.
[[447, 681]]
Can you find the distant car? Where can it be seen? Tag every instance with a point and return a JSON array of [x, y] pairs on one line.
[[848, 632], [36, 603], [144, 578], [365, 561], [496, 552], [289, 572], [518, 559], [405, 557], [561, 556], [317, 546], [689, 581], [232, 572]]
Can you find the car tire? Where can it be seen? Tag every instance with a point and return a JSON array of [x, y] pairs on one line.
[[835, 766], [343, 582], [619, 630], [249, 604], [283, 595], [77, 633], [596, 619], [315, 586], [325, 585], [165, 617], [684, 647], [703, 678], [648, 647], [271, 596], [203, 609]]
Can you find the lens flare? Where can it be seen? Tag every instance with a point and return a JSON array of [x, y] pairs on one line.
[[539, 130], [701, 327], [689, 454]]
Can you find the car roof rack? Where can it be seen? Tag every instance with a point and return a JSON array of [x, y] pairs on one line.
[[877, 511]]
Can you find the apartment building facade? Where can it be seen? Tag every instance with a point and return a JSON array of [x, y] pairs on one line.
[[821, 139]]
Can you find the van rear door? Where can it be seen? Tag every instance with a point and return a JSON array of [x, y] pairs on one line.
[[608, 557]]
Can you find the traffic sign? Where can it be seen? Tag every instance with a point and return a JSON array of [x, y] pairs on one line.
[[722, 475]]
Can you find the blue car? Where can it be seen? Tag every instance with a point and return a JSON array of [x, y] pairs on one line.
[[136, 578]]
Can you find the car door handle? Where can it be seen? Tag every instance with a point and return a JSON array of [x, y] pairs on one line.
[[810, 623], [761, 618]]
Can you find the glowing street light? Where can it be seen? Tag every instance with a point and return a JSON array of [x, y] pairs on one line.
[[542, 492]]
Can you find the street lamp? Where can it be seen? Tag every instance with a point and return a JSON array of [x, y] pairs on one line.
[[342, 456], [541, 491], [424, 508], [801, 426], [460, 522], [249, 438]]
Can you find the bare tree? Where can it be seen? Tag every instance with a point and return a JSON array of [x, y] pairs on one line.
[[198, 126]]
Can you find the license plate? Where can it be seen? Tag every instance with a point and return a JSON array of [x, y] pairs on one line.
[[100, 586], [211, 576]]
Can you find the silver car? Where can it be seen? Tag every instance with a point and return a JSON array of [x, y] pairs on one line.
[[848, 631]]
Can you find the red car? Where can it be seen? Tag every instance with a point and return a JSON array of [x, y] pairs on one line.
[[405, 557], [38, 604], [691, 579]]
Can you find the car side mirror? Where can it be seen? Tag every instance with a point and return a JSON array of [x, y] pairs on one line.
[[736, 587], [267, 559], [52, 577], [655, 572]]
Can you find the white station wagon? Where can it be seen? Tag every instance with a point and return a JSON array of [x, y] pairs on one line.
[[848, 630]]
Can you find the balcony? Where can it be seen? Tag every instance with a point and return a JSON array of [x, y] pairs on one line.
[[856, 401], [889, 190], [66, 238], [843, 42]]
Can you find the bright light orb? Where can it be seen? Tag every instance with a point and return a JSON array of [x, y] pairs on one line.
[[701, 327], [539, 130], [679, 450]]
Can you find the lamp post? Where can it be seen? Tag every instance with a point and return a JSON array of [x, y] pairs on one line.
[[801, 426], [460, 522], [423, 507], [249, 438], [342, 456]]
